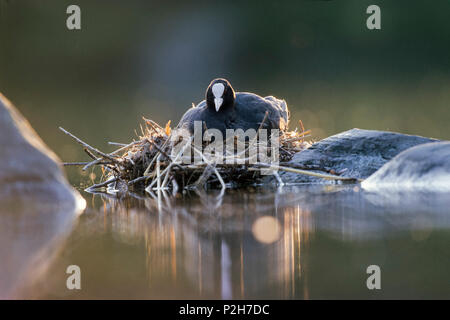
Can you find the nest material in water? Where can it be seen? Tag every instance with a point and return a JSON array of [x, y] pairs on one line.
[[152, 163]]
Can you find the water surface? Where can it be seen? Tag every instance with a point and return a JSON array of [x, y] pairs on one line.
[[301, 242]]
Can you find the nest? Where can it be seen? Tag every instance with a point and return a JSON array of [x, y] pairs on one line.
[[151, 162]]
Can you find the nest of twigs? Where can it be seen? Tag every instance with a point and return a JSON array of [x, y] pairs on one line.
[[149, 163]]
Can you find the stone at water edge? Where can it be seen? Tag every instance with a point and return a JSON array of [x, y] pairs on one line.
[[37, 205], [357, 153], [27, 165], [425, 167]]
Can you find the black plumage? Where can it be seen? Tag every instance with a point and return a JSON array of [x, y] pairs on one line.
[[224, 109]]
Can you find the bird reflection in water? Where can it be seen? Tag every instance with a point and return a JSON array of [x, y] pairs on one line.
[[226, 250]]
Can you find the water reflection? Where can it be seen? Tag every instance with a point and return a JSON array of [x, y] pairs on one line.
[[302, 242], [33, 229], [224, 250]]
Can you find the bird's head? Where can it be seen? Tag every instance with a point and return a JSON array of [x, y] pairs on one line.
[[220, 95]]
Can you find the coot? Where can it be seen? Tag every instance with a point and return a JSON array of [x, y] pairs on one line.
[[224, 109]]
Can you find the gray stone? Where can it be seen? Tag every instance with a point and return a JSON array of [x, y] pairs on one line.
[[27, 165], [37, 205], [354, 153], [424, 167]]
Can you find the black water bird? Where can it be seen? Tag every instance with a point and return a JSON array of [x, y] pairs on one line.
[[224, 109]]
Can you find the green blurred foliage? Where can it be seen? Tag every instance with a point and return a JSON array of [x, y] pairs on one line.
[[154, 58]]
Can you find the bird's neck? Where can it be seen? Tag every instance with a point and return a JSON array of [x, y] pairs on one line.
[[225, 108]]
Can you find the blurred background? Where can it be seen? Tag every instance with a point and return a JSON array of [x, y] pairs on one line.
[[155, 58]]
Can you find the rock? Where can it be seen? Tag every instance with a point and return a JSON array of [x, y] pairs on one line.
[[27, 165], [37, 205], [354, 153], [425, 167]]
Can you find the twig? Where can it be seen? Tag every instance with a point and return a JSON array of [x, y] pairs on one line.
[[116, 143], [308, 173], [154, 158], [304, 167], [153, 123], [74, 163], [159, 149], [97, 161], [99, 185], [137, 180], [215, 169], [201, 181], [263, 120], [90, 154], [84, 144], [174, 161]]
